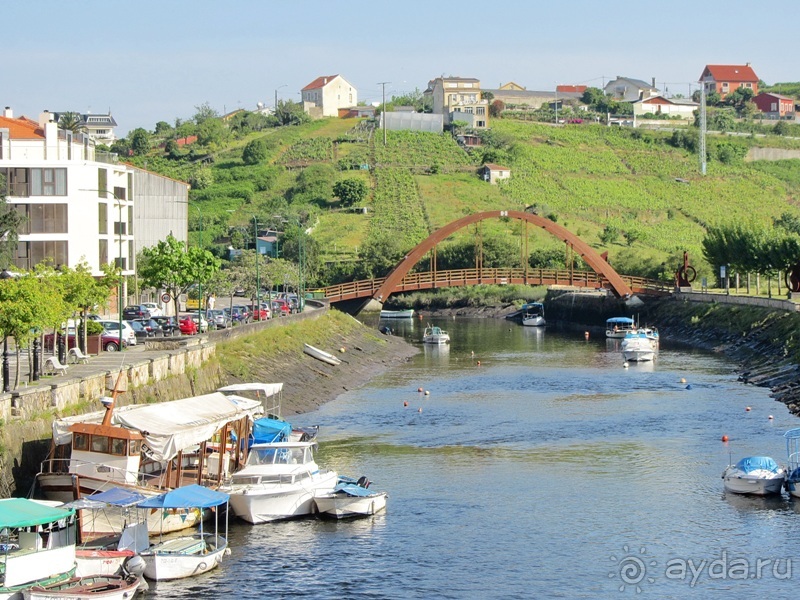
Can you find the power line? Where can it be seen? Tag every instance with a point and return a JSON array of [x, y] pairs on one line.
[[383, 85]]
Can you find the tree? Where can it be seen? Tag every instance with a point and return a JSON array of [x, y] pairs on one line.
[[254, 152], [168, 265], [351, 191], [82, 292], [204, 112], [609, 235], [10, 220], [211, 131], [496, 108], [162, 128], [487, 95], [780, 128], [139, 141], [290, 113], [71, 121]]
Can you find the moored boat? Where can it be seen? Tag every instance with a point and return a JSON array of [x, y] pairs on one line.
[[325, 357], [350, 498], [435, 335], [37, 545], [533, 314], [756, 475], [793, 458], [397, 314], [279, 481], [637, 347], [619, 327], [100, 587], [186, 556]]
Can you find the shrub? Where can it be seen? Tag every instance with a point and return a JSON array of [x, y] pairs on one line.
[[254, 152]]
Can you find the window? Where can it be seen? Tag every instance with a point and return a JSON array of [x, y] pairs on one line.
[[48, 182], [468, 109], [130, 220], [25, 220], [48, 218], [102, 217], [118, 446], [749, 85], [102, 182], [17, 182], [80, 441], [102, 252], [100, 443], [136, 448], [130, 187], [481, 110], [119, 193], [119, 228], [131, 254], [55, 251]]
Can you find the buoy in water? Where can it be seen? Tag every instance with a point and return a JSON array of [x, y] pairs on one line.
[[746, 409], [479, 363], [427, 393], [419, 409], [419, 389], [625, 364], [683, 380], [586, 335], [688, 387], [342, 349], [771, 417], [405, 403], [724, 438]]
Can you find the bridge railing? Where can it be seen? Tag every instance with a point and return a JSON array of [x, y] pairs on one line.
[[488, 276]]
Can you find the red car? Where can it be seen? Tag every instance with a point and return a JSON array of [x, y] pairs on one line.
[[258, 315], [108, 342], [187, 326], [281, 307]]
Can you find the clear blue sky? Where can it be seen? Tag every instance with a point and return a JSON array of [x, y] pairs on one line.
[[154, 61]]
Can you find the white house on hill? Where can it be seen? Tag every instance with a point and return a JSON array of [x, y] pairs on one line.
[[324, 96]]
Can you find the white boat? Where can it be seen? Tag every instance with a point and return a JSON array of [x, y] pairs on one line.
[[756, 475], [325, 357], [533, 314], [350, 498], [37, 545], [100, 587], [397, 314], [279, 481], [619, 327], [637, 347], [148, 448], [435, 335], [186, 556]]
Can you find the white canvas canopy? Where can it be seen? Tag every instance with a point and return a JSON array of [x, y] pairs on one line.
[[169, 427]]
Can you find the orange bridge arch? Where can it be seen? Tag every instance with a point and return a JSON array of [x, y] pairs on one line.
[[589, 256]]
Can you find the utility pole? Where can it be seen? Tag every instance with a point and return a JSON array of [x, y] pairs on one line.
[[702, 128], [383, 88]]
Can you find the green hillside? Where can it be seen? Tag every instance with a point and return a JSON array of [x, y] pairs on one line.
[[639, 191]]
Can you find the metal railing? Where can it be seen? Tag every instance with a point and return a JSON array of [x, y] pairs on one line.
[[488, 276]]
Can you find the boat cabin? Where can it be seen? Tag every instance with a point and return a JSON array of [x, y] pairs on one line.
[[107, 451], [618, 327]]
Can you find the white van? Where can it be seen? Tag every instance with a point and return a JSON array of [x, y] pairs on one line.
[[128, 334]]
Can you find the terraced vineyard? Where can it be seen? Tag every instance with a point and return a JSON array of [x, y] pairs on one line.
[[421, 150]]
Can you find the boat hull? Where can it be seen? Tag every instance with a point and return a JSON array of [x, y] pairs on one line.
[[183, 557], [533, 321], [740, 483], [638, 355], [275, 501], [102, 587], [342, 506], [321, 355], [397, 314]]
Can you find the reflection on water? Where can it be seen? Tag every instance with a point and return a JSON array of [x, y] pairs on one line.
[[534, 460]]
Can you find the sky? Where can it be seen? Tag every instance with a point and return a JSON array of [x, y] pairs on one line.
[[150, 61]]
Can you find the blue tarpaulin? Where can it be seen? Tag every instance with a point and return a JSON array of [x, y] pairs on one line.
[[190, 496], [267, 431], [620, 321], [114, 496], [753, 463]]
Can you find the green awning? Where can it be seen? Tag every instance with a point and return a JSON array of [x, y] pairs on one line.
[[21, 512]]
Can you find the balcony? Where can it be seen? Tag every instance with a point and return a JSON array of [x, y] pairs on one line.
[[110, 158]]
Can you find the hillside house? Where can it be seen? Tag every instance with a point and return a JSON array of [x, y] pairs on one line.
[[521, 99], [775, 106], [627, 89], [99, 127], [661, 105], [724, 79], [494, 173], [459, 99], [326, 95]]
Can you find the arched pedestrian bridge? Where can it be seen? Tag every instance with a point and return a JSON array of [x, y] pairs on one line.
[[401, 279]]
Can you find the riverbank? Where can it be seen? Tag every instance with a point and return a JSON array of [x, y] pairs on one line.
[[276, 355]]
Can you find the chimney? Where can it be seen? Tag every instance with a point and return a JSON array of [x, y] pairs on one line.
[[654, 82], [746, 64], [45, 117], [8, 113]]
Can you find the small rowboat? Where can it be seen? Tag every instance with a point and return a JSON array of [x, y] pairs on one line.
[[325, 357], [397, 314]]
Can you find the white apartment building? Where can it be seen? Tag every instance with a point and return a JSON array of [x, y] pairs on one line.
[[78, 204]]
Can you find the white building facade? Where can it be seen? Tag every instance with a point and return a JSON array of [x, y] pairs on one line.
[[326, 95]]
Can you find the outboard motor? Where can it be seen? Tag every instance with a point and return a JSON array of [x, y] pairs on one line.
[[363, 481], [134, 566]]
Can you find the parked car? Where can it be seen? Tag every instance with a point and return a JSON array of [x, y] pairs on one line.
[[139, 330], [135, 311], [238, 314], [168, 325], [128, 334], [108, 341], [200, 321], [218, 318], [187, 325], [281, 307], [153, 309], [258, 314]]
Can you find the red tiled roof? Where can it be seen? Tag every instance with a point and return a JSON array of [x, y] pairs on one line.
[[732, 73], [22, 128], [571, 88], [494, 167], [319, 82]]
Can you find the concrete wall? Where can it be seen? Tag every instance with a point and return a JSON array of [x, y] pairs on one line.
[[771, 303], [771, 154], [27, 414]]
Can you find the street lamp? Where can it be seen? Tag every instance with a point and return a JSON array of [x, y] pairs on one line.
[[276, 97], [257, 311]]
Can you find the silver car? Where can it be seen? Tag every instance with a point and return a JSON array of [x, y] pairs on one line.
[[218, 318]]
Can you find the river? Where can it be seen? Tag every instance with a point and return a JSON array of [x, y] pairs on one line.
[[537, 467]]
